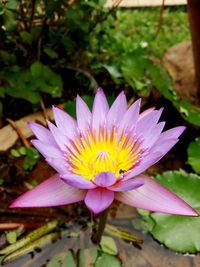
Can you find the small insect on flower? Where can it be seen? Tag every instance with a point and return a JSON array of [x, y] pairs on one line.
[[101, 157]]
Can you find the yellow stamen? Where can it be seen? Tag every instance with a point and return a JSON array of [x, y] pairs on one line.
[[103, 151]]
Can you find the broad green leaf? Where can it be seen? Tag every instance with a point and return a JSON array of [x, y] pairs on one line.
[[107, 260], [163, 82], [68, 260], [179, 233], [36, 70], [108, 245], [87, 257], [194, 155], [55, 262]]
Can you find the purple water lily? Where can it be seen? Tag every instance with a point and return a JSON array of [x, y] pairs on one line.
[[101, 157]]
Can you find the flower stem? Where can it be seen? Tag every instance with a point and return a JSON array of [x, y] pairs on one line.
[[101, 226]]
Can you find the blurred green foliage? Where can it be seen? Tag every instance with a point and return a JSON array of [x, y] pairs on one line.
[[40, 37]]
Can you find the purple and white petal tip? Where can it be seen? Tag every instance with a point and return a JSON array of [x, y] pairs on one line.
[[51, 192], [155, 197]]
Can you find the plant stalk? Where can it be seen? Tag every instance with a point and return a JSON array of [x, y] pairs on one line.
[[101, 226]]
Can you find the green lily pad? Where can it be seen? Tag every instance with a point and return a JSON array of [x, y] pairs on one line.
[[179, 233], [107, 260], [87, 257], [194, 155], [108, 245]]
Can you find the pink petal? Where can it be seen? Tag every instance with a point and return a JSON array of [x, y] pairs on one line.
[[117, 111], [153, 135], [173, 133], [42, 133], [145, 163], [66, 124], [127, 184], [153, 156], [83, 115], [146, 123], [47, 150], [144, 113], [77, 181], [105, 179], [52, 192], [58, 164], [98, 199], [59, 137], [154, 197], [130, 118], [99, 110]]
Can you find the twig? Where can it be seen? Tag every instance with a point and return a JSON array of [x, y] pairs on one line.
[[32, 13], [19, 132], [42, 105], [160, 17], [23, 14]]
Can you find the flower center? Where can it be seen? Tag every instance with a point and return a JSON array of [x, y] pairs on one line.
[[105, 151]]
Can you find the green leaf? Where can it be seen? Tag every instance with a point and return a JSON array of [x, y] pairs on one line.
[[32, 157], [52, 54], [108, 245], [26, 36], [22, 150], [11, 236], [107, 260], [70, 108], [194, 155], [87, 257], [15, 153], [1, 181], [69, 260], [114, 72], [36, 70], [179, 233], [55, 262]]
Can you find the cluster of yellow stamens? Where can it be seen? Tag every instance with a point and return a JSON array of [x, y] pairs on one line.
[[103, 151]]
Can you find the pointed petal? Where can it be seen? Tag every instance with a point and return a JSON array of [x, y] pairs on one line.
[[83, 115], [99, 110], [146, 123], [154, 197], [154, 155], [66, 124], [59, 137], [127, 185], [173, 133], [77, 181], [105, 179], [47, 150], [98, 199], [144, 113], [117, 111], [145, 163], [153, 136], [130, 118], [42, 133], [52, 192]]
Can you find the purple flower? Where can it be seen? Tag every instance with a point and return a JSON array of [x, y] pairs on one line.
[[100, 157]]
